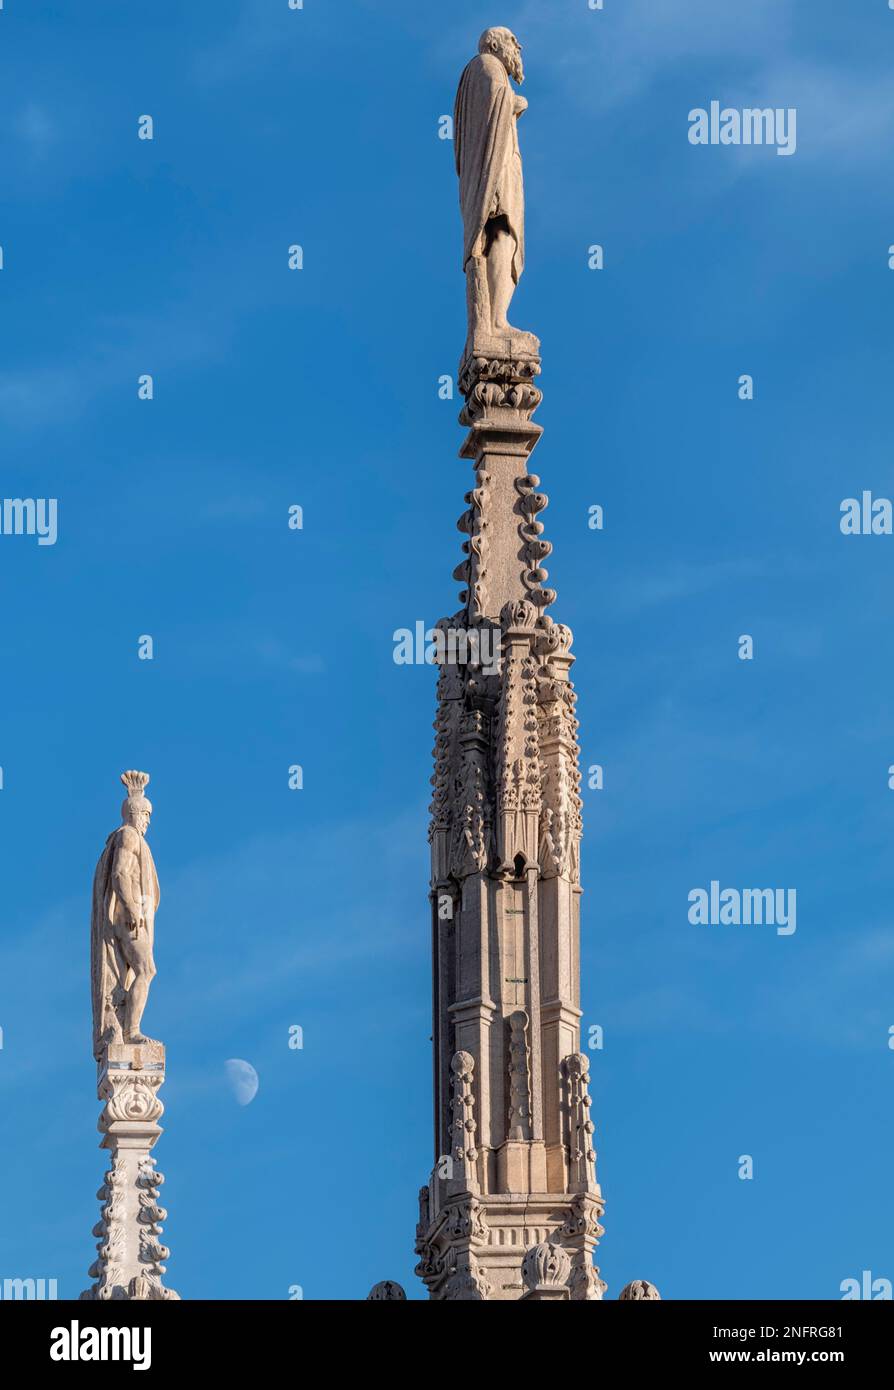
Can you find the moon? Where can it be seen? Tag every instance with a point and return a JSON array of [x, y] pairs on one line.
[[242, 1080]]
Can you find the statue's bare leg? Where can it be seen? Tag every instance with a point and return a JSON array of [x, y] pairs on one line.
[[501, 285], [119, 993], [477, 298], [137, 949]]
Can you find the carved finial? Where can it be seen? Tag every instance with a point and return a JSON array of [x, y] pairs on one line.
[[386, 1291], [546, 1268], [518, 614], [639, 1289]]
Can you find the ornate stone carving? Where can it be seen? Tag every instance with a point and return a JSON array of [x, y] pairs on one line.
[[446, 726], [553, 639], [386, 1291], [558, 843], [583, 1217], [424, 1211], [546, 1267], [639, 1289], [107, 1269], [518, 772], [518, 616], [586, 1285], [474, 522], [151, 1215], [472, 830], [432, 1266], [129, 1097], [464, 1153], [466, 1282], [534, 548], [561, 820], [130, 1256], [465, 1220], [448, 1244], [519, 1077], [495, 385], [581, 1155]]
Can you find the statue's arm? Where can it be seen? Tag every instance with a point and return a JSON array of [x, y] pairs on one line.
[[125, 872]]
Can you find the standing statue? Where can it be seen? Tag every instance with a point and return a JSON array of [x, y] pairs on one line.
[[122, 929], [491, 192]]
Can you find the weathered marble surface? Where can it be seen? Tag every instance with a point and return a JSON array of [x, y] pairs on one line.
[[122, 929], [491, 189], [130, 1259]]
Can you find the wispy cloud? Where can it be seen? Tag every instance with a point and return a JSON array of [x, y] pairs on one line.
[[743, 55], [674, 583], [612, 57], [277, 653], [235, 507], [838, 995], [236, 894], [35, 128], [237, 931], [261, 31], [42, 395]]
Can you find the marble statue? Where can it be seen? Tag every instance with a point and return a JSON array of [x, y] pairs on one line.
[[125, 899], [130, 1255], [491, 191]]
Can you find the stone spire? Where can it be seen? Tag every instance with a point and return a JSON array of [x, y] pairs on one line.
[[512, 1208], [130, 1067]]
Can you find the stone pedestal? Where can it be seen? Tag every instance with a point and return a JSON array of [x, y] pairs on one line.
[[131, 1259]]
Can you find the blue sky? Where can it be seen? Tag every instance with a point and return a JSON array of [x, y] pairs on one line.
[[274, 647]]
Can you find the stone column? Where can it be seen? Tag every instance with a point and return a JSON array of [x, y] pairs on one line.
[[515, 1213], [130, 1259]]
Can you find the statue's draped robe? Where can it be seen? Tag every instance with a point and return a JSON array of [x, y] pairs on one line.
[[485, 140], [109, 972]]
